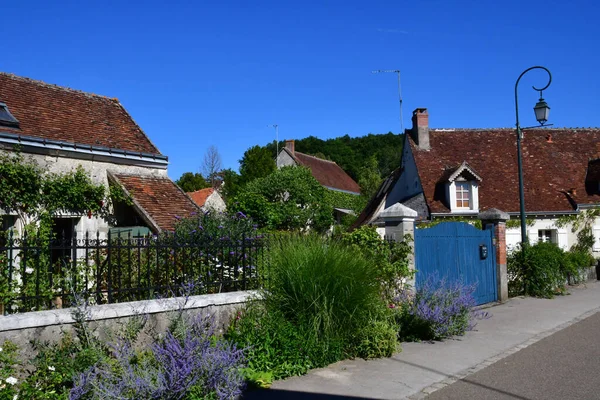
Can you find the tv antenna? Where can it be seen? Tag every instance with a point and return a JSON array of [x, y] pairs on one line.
[[395, 71]]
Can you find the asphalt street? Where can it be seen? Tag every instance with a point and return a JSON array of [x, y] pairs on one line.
[[565, 365]]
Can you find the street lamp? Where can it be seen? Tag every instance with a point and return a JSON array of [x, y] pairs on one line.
[[542, 111]]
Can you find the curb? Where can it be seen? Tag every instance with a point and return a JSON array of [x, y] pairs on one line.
[[486, 363]]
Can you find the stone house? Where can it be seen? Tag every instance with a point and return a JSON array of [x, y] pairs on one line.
[[208, 199], [447, 173], [327, 173], [61, 128]]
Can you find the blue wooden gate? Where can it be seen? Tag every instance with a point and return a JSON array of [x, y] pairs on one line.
[[454, 250]]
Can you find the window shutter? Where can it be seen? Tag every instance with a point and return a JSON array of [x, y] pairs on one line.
[[533, 236], [561, 236], [596, 246]]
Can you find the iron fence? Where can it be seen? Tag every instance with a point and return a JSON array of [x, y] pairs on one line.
[[38, 274]]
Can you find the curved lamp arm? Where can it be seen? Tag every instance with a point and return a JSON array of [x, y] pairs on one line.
[[534, 88]]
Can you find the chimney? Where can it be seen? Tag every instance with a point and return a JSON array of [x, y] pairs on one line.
[[420, 128], [289, 144]]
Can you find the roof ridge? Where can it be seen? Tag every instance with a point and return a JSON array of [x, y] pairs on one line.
[[554, 128], [57, 87], [140, 175], [318, 158]]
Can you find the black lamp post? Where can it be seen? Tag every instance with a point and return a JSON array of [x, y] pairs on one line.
[[541, 114]]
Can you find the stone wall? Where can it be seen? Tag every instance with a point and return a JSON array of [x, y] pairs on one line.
[[46, 326]]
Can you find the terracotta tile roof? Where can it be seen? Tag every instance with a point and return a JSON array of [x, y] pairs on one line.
[[159, 200], [200, 196], [57, 113], [554, 166], [328, 173]]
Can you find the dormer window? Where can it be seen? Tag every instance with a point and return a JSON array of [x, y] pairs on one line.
[[6, 118], [462, 189], [463, 194]]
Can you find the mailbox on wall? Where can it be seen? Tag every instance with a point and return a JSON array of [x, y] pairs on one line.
[[483, 251]]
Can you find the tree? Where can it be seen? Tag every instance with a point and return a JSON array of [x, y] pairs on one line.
[[211, 165], [231, 183], [257, 162], [190, 182], [288, 199], [369, 178]]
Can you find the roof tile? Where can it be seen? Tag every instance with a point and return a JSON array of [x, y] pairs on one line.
[[159, 197], [328, 173], [56, 113]]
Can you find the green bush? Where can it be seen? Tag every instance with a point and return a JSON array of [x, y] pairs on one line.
[[276, 346], [390, 257], [322, 303], [576, 263], [543, 269], [322, 284]]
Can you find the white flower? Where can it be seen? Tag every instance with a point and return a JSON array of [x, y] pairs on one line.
[[0, 348], [11, 380], [52, 369], [29, 270], [15, 397]]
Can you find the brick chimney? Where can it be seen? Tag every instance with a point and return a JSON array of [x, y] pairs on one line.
[[289, 144], [420, 128]]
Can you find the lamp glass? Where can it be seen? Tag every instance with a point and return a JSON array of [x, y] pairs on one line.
[[542, 111]]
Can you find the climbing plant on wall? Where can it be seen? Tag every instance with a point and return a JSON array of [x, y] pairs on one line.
[[29, 191]]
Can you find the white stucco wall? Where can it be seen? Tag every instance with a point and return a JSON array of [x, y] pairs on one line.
[[284, 159], [215, 202], [98, 173], [565, 237], [409, 184]]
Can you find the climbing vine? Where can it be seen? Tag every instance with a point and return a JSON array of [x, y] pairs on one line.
[[27, 190], [581, 223]]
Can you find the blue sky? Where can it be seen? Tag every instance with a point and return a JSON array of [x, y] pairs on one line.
[[200, 73]]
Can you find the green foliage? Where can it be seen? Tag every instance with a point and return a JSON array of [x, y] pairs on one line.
[[352, 154], [581, 223], [20, 183], [430, 224], [326, 286], [27, 190], [345, 200], [276, 346], [539, 270], [8, 372], [390, 257], [543, 269], [369, 179], [322, 304], [55, 366], [288, 199], [257, 162], [377, 338], [232, 183], [516, 222], [190, 182]]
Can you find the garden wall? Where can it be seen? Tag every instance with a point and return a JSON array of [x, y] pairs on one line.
[[21, 329]]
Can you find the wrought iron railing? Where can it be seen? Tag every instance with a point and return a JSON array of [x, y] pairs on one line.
[[38, 274]]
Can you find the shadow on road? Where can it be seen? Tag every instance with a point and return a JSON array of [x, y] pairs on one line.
[[287, 394], [466, 380]]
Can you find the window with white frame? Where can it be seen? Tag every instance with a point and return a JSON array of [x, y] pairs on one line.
[[547, 236], [463, 195]]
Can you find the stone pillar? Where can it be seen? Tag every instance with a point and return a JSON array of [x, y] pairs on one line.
[[495, 220], [400, 221]]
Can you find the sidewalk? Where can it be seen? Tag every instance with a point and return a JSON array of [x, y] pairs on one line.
[[424, 367]]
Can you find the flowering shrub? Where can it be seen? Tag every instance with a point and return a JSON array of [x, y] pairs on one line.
[[438, 310], [196, 364], [8, 380]]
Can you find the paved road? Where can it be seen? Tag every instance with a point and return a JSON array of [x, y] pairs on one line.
[[565, 365]]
